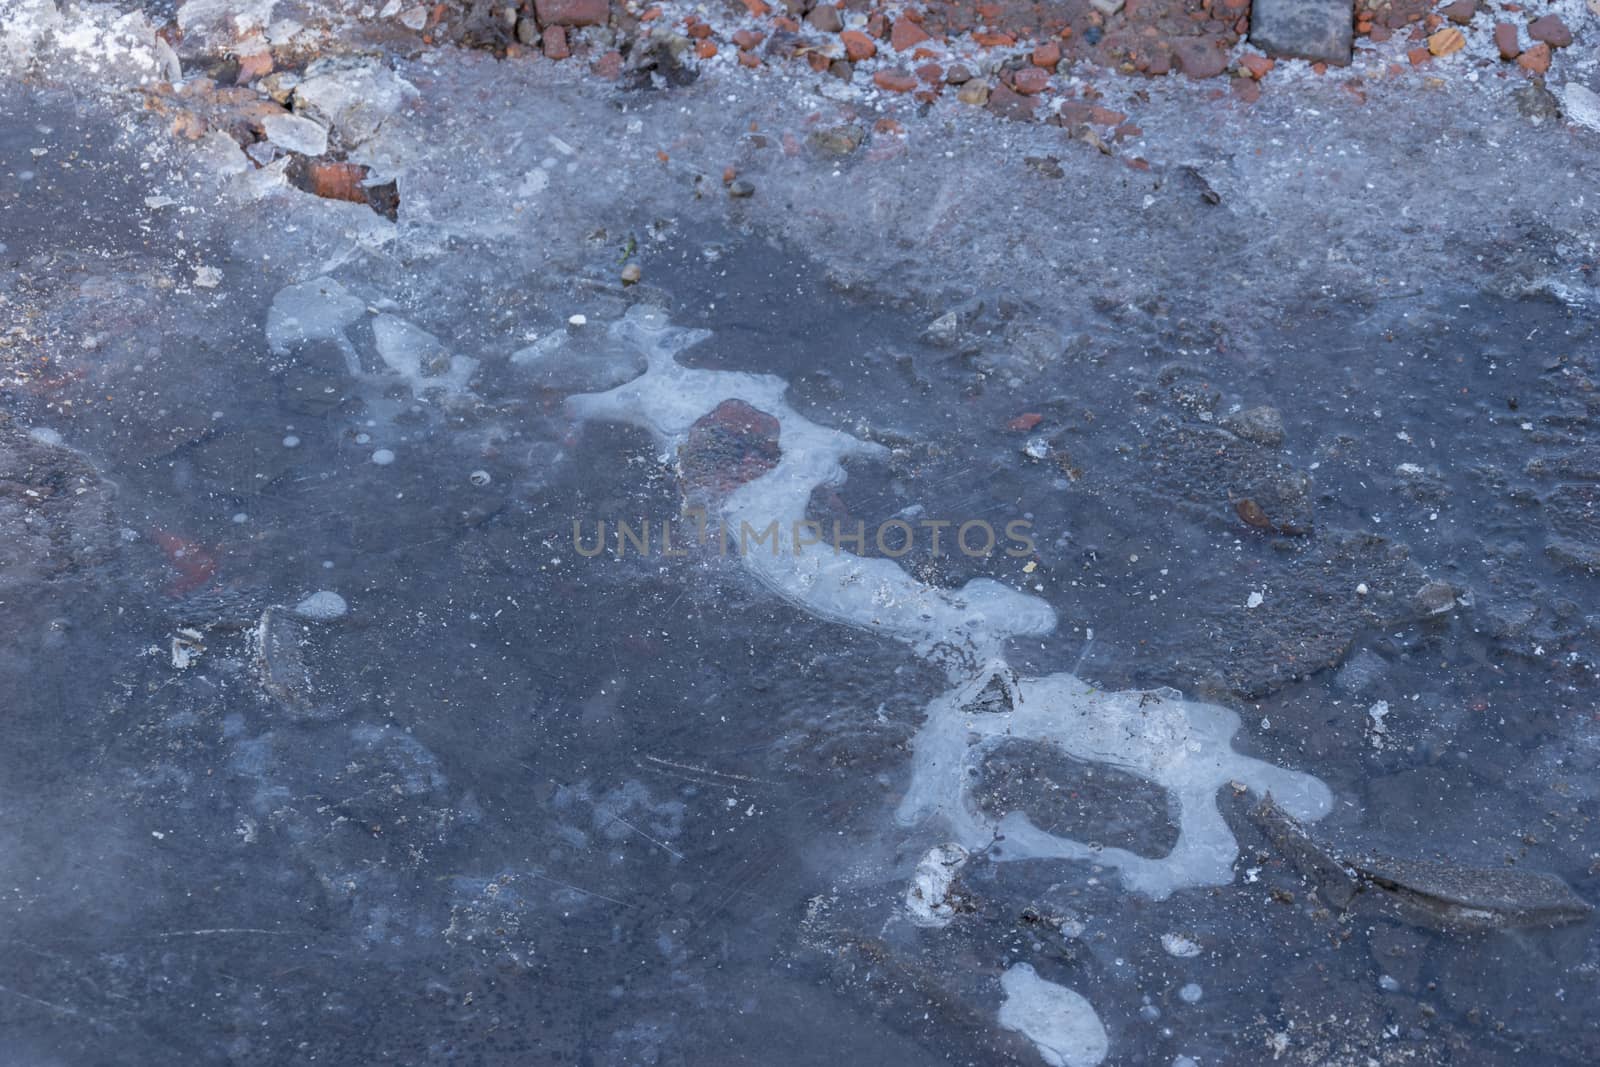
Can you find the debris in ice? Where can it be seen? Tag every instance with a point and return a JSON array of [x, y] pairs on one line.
[[1180, 946], [187, 647], [280, 665], [928, 898], [480, 478], [1426, 892], [295, 133], [1377, 713], [207, 277], [1060, 1023], [1254, 600], [323, 606]]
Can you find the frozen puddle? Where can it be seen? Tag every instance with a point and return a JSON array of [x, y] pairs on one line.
[[1181, 745]]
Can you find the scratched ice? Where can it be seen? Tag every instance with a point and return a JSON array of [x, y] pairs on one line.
[[1184, 746]]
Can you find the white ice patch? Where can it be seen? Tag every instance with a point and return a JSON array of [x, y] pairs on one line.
[[417, 356], [1060, 1023], [295, 133], [1184, 746], [1180, 946], [873, 593], [928, 896], [318, 310]]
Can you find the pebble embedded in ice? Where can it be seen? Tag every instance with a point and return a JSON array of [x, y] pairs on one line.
[[207, 277], [1254, 600], [479, 478], [291, 441], [383, 457], [1180, 946], [1190, 994], [323, 605], [1061, 1024], [578, 320]]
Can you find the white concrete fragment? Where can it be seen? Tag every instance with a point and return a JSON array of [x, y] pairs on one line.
[[1060, 1023], [1581, 104]]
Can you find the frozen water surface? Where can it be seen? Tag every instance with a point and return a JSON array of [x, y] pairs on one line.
[[375, 748]]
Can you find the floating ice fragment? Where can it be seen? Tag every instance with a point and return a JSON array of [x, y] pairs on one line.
[[1060, 1023], [323, 605]]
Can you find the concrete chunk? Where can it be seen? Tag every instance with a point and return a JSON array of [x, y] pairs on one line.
[[1307, 29]]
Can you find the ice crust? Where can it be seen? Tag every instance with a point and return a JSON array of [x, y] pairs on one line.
[[1184, 746]]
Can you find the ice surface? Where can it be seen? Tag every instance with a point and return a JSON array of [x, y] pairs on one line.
[[1183, 746]]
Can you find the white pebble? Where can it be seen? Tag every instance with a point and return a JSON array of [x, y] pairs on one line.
[[578, 320], [1180, 946], [1361, 590], [383, 457], [1254, 600], [479, 478]]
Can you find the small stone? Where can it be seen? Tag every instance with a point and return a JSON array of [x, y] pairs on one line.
[[897, 80], [1304, 29], [1200, 57], [837, 140], [975, 93], [1537, 103], [1460, 12], [1254, 65], [1031, 80], [906, 35], [253, 66], [527, 32], [1551, 30], [1046, 55], [1107, 7], [842, 69], [748, 39], [705, 49], [825, 17], [1505, 39], [1011, 105], [1447, 42], [555, 42], [631, 274], [857, 46], [572, 12], [740, 189], [337, 181], [1435, 598], [1536, 60], [1262, 424], [958, 74]]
